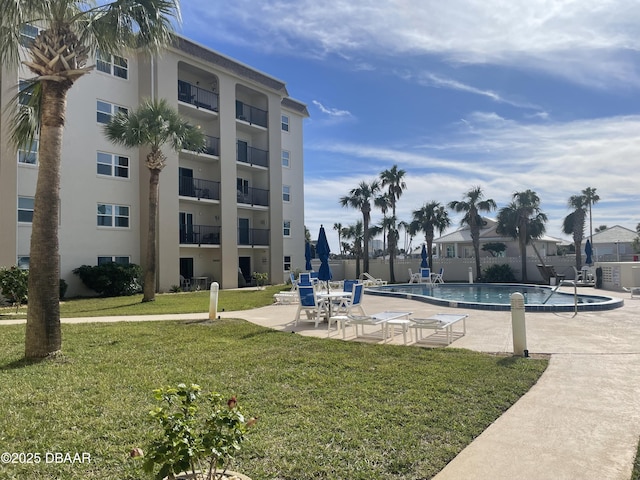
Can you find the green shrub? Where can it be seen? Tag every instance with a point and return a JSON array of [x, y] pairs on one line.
[[14, 284], [498, 274], [63, 288], [111, 279]]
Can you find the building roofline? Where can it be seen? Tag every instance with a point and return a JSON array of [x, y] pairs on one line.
[[293, 104], [194, 49]]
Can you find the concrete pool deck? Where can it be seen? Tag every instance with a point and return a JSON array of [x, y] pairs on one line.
[[580, 421]]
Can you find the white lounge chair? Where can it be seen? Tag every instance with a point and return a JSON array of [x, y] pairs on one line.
[[414, 277], [369, 280]]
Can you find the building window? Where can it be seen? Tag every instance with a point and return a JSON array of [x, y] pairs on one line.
[[113, 165], [29, 155], [107, 110], [287, 263], [285, 123], [113, 216], [25, 209], [113, 259], [286, 158], [23, 262], [286, 193], [28, 34], [286, 229], [113, 65]]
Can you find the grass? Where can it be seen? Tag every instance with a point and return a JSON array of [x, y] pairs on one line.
[[327, 409], [187, 302]]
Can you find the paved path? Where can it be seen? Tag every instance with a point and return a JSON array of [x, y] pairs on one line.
[[581, 421]]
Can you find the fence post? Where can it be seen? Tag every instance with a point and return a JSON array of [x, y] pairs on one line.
[[213, 301], [518, 325]]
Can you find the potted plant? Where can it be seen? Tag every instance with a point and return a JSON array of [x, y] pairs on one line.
[[201, 433]]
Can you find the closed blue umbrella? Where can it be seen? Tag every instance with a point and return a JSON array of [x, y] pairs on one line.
[[323, 250], [423, 254], [307, 256], [588, 250]]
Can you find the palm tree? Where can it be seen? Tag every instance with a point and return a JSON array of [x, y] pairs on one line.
[[360, 198], [428, 219], [383, 202], [338, 226], [573, 224], [592, 198], [523, 220], [406, 227], [472, 204], [70, 31], [153, 125], [393, 179], [356, 233]]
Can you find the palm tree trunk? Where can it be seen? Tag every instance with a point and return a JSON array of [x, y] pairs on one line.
[[392, 251], [365, 261], [43, 336], [149, 289], [475, 234]]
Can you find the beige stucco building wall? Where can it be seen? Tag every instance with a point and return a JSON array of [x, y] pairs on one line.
[[206, 228]]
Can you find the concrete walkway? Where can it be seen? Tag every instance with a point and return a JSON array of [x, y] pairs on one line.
[[581, 421]]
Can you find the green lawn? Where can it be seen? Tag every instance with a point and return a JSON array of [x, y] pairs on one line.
[[188, 302], [327, 409]]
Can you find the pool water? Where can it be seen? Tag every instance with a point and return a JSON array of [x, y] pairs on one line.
[[491, 296]]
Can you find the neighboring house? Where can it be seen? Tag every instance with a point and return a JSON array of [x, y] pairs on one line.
[[613, 244], [458, 244], [207, 228]]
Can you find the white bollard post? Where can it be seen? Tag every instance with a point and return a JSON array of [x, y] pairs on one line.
[[470, 275], [518, 325], [213, 301]]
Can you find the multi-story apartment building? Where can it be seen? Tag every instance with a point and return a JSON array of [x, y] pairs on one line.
[[237, 207]]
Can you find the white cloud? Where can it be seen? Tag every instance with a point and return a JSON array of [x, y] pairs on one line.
[[587, 41], [332, 112]]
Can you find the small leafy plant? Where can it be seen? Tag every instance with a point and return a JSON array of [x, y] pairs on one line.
[[14, 284], [201, 433], [260, 278]]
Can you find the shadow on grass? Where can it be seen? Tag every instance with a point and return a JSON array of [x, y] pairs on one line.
[[28, 362]]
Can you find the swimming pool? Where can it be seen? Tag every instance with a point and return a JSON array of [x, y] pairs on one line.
[[491, 296]]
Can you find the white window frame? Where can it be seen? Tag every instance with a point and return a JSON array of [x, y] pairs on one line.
[[113, 163], [286, 228], [26, 207], [286, 158], [286, 193], [287, 263], [114, 65], [119, 259], [115, 214], [112, 107], [284, 121], [25, 156]]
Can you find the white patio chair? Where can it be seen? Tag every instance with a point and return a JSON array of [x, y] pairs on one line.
[[425, 275], [437, 277], [414, 277], [313, 308]]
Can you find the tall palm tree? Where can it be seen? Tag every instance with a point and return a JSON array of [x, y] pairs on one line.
[[471, 205], [393, 179], [573, 224], [338, 226], [360, 198], [523, 220], [406, 228], [154, 124], [592, 198], [383, 202], [70, 32], [431, 217], [355, 232]]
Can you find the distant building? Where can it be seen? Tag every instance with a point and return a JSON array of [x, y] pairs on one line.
[[207, 228], [613, 244]]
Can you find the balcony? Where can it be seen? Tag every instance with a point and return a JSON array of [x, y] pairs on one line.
[[252, 115], [196, 96], [254, 196], [199, 235], [253, 236], [198, 188], [211, 146], [251, 155]]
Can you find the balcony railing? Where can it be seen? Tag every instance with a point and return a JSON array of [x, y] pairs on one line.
[[253, 115], [253, 236], [197, 96], [211, 146], [199, 235], [198, 188], [254, 196], [251, 155]]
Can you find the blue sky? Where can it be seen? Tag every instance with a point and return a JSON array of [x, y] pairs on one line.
[[506, 94]]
